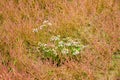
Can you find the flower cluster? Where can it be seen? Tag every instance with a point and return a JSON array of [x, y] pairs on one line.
[[44, 24], [55, 38], [62, 45], [58, 49]]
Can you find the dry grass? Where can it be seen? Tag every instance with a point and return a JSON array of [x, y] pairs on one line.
[[95, 22]]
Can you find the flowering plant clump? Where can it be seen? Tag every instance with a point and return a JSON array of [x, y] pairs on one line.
[[60, 46], [44, 24]]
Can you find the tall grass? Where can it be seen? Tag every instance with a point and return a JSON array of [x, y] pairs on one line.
[[95, 22]]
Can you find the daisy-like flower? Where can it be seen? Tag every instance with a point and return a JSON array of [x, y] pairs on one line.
[[65, 51], [35, 30], [61, 44]]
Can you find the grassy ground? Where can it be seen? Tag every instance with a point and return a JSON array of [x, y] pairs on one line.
[[95, 22]]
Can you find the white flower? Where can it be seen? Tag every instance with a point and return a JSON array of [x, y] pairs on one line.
[[45, 22], [65, 51], [61, 44], [35, 30], [41, 27], [55, 38], [76, 52], [49, 24]]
